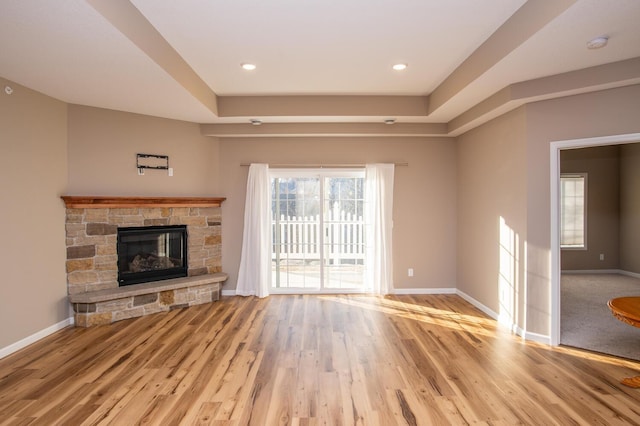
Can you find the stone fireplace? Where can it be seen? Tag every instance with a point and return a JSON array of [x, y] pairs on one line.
[[92, 225]]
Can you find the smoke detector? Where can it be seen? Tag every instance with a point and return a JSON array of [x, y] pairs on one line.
[[597, 42]]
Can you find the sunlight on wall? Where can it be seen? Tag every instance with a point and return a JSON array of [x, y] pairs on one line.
[[508, 285]]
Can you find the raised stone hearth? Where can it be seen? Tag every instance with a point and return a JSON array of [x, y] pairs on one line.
[[92, 270], [106, 306]]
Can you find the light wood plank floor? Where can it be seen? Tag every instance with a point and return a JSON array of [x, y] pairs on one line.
[[308, 360]]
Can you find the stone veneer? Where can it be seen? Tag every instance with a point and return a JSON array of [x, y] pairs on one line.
[[114, 304], [91, 238]]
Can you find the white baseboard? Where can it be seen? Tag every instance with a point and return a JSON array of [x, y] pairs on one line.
[[591, 271], [535, 337], [8, 350], [526, 335], [477, 304], [630, 274], [405, 291], [409, 291], [602, 271]]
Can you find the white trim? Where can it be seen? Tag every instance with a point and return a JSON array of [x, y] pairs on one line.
[[14, 347], [400, 291], [478, 305], [540, 338], [324, 291], [602, 271], [554, 169], [554, 189], [298, 290], [629, 274], [592, 271], [526, 335], [410, 291]]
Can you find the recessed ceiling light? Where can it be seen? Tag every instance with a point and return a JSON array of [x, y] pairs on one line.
[[248, 67], [400, 67], [597, 42]]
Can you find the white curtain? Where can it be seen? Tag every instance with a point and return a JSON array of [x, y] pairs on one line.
[[379, 222], [254, 276]]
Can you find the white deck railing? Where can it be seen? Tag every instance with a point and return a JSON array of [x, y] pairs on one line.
[[299, 237]]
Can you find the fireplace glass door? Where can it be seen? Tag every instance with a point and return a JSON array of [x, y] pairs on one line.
[[151, 253]]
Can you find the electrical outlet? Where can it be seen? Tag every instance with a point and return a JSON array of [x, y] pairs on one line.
[[410, 272], [601, 256], [170, 171]]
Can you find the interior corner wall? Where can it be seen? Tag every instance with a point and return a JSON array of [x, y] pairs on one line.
[[491, 215], [33, 291], [602, 166], [603, 113], [630, 208], [424, 232], [102, 155]]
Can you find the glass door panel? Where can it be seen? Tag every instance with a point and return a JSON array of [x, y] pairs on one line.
[[296, 261], [318, 232], [344, 233]]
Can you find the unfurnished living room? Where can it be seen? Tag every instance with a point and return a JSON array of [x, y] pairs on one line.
[[318, 212]]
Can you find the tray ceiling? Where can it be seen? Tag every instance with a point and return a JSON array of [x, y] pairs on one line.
[[317, 61]]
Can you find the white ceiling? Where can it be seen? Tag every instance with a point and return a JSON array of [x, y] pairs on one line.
[[70, 51], [325, 47]]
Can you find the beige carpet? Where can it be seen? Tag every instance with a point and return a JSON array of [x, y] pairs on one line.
[[586, 321]]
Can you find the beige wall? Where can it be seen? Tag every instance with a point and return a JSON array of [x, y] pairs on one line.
[[424, 230], [602, 165], [33, 135], [102, 155], [609, 112], [448, 203], [498, 176], [492, 214], [630, 208], [50, 149]]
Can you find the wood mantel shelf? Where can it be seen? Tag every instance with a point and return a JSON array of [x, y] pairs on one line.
[[92, 202]]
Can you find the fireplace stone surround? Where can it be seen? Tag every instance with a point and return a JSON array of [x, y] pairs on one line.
[[92, 271]]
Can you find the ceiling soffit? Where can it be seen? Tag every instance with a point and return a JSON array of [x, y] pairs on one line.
[[447, 110]]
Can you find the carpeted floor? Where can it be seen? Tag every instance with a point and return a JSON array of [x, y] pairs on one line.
[[586, 321]]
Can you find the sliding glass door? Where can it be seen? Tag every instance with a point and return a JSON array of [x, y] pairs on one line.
[[318, 230]]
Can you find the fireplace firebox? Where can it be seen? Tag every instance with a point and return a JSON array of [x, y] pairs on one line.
[[151, 253]]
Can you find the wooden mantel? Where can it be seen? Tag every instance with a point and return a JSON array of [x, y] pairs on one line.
[[92, 202]]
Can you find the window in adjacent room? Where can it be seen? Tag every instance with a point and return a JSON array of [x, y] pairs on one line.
[[573, 211]]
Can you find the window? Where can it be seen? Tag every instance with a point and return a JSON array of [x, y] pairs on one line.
[[573, 211], [318, 230]]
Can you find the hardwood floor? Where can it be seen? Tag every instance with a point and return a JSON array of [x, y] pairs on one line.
[[307, 360]]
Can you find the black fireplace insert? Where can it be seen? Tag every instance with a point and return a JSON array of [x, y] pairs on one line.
[[151, 253]]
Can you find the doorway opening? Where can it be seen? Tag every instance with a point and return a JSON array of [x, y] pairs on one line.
[[318, 230], [555, 149]]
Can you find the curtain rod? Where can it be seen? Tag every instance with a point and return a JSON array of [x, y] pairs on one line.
[[320, 166]]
